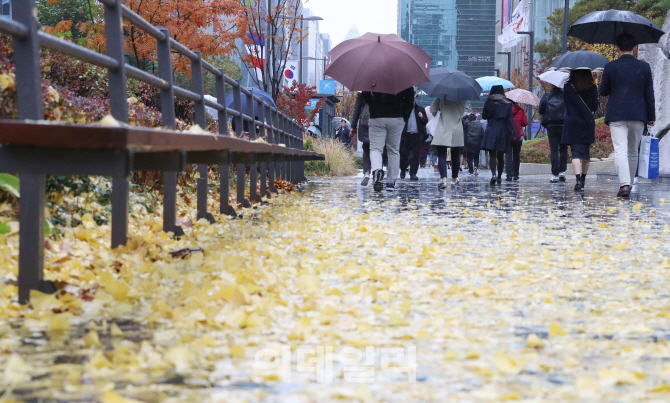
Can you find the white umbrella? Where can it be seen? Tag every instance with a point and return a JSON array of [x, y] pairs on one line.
[[557, 78]]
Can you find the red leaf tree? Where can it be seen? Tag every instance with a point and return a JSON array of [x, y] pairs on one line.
[[292, 102]]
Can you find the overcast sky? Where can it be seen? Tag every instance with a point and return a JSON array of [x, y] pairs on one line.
[[378, 16]]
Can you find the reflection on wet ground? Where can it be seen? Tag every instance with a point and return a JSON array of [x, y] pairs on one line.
[[523, 291]]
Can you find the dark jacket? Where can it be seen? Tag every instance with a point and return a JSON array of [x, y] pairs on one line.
[[500, 129], [420, 122], [629, 85], [344, 135], [579, 126], [552, 108], [390, 106], [363, 130], [520, 121], [474, 133]]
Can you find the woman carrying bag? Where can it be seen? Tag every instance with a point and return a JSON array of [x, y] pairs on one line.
[[579, 128], [499, 131], [447, 133]]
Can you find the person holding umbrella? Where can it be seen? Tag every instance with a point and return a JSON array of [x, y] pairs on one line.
[[499, 131], [385, 68], [388, 114], [451, 89], [579, 126], [629, 84], [448, 134]]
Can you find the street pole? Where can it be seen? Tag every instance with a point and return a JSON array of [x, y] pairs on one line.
[[268, 36], [566, 14], [509, 63], [531, 63], [301, 44], [497, 72]]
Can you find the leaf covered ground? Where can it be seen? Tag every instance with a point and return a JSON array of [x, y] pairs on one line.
[[502, 296]]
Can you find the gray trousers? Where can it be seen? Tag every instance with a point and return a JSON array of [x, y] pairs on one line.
[[386, 132], [626, 137]]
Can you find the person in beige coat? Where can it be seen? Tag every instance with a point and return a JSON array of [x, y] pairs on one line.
[[448, 134]]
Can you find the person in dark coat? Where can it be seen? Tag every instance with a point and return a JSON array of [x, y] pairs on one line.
[[413, 136], [552, 109], [579, 126], [359, 125], [344, 133], [388, 115], [499, 131], [474, 133], [631, 105]]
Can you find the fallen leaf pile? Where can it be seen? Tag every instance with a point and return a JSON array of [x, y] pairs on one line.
[[500, 299]]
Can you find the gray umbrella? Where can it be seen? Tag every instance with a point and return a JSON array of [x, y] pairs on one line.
[[605, 26], [452, 85], [580, 59]]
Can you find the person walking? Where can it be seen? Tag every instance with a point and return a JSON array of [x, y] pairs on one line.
[[579, 126], [474, 132], [359, 126], [513, 155], [448, 134], [413, 136], [499, 131], [628, 83], [388, 114], [344, 133], [552, 109]]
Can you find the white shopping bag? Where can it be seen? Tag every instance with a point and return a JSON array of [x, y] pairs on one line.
[[648, 160], [432, 124]]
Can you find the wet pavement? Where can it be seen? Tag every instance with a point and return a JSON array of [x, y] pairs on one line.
[[527, 291]]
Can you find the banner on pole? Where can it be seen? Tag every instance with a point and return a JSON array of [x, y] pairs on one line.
[[520, 22], [291, 72], [256, 49]]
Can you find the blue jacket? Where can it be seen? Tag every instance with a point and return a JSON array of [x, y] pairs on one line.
[[629, 85], [579, 125]]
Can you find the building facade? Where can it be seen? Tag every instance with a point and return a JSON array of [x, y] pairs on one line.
[[6, 9], [458, 34]]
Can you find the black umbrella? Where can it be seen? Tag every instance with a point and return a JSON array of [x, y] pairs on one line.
[[605, 26], [580, 59], [452, 85]]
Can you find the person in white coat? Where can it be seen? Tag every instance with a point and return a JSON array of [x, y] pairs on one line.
[[448, 134]]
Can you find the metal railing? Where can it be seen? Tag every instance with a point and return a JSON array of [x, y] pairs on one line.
[[276, 127], [33, 163]]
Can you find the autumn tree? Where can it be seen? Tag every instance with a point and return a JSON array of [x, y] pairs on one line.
[[207, 26], [277, 29], [345, 108], [292, 101]]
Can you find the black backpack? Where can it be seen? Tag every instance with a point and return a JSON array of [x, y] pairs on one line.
[[555, 109]]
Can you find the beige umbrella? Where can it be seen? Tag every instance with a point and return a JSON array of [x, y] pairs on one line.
[[523, 97]]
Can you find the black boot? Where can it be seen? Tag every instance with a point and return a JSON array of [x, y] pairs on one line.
[[583, 180], [580, 184]]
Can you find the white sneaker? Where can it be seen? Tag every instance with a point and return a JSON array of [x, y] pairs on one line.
[[456, 183], [635, 181], [561, 176], [554, 179], [476, 172]]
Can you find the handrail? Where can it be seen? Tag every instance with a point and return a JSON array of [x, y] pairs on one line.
[[79, 52], [11, 27], [142, 75]]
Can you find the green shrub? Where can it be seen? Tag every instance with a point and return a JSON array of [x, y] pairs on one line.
[[536, 151]]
